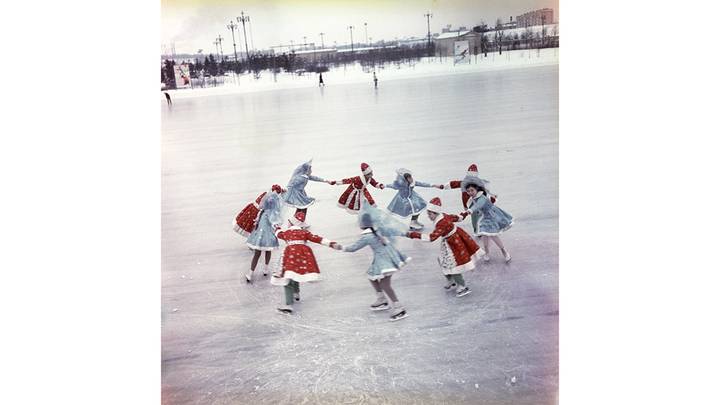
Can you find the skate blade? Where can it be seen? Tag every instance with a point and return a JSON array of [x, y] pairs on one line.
[[450, 286], [463, 294], [399, 317], [284, 311], [381, 308]]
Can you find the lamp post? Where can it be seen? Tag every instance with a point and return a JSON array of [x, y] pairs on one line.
[[232, 26], [322, 43], [366, 37], [352, 47], [428, 15], [243, 19]]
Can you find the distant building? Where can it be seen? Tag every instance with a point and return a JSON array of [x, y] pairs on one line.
[[535, 18], [445, 42]]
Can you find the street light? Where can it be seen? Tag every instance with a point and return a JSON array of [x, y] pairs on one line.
[[366, 37], [232, 26], [352, 47], [243, 19], [322, 43], [428, 15]]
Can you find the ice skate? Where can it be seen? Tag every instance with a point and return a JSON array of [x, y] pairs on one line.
[[265, 270], [507, 256], [486, 257], [380, 304], [248, 276], [296, 296], [450, 284], [463, 291], [415, 225], [285, 309], [398, 314]]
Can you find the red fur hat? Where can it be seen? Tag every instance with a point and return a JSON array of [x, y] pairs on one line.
[[365, 168], [435, 205], [472, 170]]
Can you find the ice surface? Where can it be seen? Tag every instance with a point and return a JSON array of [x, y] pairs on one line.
[[226, 343]]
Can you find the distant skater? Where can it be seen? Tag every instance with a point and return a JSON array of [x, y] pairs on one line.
[[322, 83], [168, 99], [375, 79]]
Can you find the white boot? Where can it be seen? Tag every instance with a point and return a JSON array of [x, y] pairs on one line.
[[296, 296], [414, 224], [507, 256], [266, 270], [380, 303], [450, 284], [486, 257], [248, 276]]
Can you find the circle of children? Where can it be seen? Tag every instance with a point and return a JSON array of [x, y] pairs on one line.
[[261, 223]]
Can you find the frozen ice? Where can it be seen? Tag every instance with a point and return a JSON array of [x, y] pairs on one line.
[[219, 152]]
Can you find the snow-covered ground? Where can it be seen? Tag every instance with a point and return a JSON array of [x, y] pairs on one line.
[[425, 67], [222, 340]]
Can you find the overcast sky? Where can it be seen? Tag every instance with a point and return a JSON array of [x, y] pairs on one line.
[[194, 24]]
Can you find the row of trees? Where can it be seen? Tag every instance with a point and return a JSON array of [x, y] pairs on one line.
[[291, 62]]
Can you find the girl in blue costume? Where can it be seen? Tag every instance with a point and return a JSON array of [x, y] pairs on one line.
[[407, 202], [379, 232], [295, 195], [262, 238], [488, 220]]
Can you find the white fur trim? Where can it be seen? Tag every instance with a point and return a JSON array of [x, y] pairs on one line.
[[425, 237], [264, 249], [383, 274], [301, 278], [495, 234], [368, 170], [325, 242], [279, 281], [300, 206], [447, 185], [434, 208]]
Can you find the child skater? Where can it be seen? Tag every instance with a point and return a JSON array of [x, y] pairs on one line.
[[407, 202], [471, 175], [295, 195], [262, 238], [378, 233], [357, 189], [245, 220], [488, 221], [298, 264], [458, 250]]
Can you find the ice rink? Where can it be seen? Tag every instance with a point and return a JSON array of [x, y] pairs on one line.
[[223, 341]]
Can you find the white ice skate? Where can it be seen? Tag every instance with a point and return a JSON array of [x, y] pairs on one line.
[[450, 284], [486, 257], [285, 309], [398, 313], [462, 291], [296, 296], [380, 303], [415, 225], [265, 270], [248, 276], [507, 257]]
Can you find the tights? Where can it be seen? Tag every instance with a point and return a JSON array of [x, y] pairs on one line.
[[383, 285], [255, 259]]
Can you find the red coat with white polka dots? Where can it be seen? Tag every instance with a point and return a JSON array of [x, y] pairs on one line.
[[298, 260], [462, 248], [351, 197], [245, 220]]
